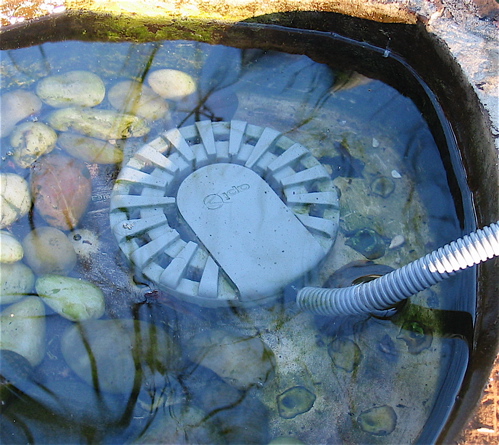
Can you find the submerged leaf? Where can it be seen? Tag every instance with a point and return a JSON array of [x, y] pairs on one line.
[[61, 190]]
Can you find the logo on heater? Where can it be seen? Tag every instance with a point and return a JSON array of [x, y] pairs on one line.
[[214, 201]]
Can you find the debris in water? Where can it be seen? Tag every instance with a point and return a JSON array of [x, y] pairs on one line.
[[397, 241]]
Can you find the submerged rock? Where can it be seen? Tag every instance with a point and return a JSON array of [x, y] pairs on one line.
[[61, 189], [48, 250], [180, 425], [239, 414], [63, 410], [14, 370], [16, 281], [240, 361], [107, 354], [74, 88], [295, 401], [30, 141], [16, 106], [15, 198], [136, 98], [90, 149], [246, 421], [11, 250], [379, 421], [382, 186], [171, 84], [72, 298], [368, 242], [100, 124], [22, 329], [345, 354]]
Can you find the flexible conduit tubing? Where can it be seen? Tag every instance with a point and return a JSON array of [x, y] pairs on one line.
[[383, 293]]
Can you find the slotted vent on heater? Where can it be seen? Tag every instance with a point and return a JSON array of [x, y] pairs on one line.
[[161, 246]]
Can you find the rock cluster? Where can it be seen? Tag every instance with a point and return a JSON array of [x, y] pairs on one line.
[[70, 120]]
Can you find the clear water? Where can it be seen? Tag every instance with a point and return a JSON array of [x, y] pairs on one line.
[[406, 370]]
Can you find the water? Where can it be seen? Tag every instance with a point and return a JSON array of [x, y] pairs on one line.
[[278, 373]]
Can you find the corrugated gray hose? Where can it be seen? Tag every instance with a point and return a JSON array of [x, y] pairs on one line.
[[383, 293]]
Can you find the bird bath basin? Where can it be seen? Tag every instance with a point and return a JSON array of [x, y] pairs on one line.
[[351, 134]]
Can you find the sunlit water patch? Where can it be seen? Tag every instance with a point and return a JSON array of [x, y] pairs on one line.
[[93, 352]]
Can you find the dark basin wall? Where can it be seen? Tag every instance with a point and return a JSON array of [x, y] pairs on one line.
[[472, 128]]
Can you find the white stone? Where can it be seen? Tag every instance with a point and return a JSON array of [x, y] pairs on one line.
[[136, 98], [98, 123], [48, 250], [22, 328], [16, 106], [71, 298], [11, 250], [172, 84], [74, 88], [90, 149], [15, 198], [16, 281], [30, 141]]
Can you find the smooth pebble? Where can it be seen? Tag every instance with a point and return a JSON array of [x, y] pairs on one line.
[[14, 107], [72, 298], [171, 84], [90, 149], [16, 281], [48, 250], [22, 329], [136, 98], [11, 250], [30, 141], [100, 124], [74, 88], [15, 198]]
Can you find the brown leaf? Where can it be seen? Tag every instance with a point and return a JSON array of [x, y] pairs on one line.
[[61, 189]]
